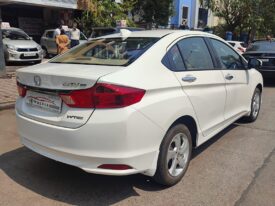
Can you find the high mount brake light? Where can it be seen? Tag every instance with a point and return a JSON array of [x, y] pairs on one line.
[[103, 96]]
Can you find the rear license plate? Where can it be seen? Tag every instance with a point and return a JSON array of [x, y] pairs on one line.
[[29, 54], [47, 102]]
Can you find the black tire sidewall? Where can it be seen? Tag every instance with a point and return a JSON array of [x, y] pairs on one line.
[[162, 175], [251, 117]]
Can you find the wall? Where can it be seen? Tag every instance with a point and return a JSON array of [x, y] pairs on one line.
[[193, 14], [177, 18]]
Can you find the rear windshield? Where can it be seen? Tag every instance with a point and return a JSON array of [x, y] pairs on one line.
[[109, 51], [262, 46]]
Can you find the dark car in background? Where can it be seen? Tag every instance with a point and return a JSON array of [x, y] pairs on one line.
[[265, 51]]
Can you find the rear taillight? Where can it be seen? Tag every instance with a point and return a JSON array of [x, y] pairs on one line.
[[22, 91], [103, 96], [79, 98]]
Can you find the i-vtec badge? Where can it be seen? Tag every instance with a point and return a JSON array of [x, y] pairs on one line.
[[74, 117], [73, 84]]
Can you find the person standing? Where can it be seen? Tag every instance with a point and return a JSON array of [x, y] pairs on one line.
[[184, 25], [62, 42], [57, 31], [75, 35], [268, 38]]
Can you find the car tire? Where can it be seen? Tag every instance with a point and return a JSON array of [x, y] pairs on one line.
[[174, 156], [45, 52], [255, 106]]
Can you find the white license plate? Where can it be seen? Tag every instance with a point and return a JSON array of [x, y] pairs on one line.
[[47, 102], [264, 60], [29, 54]]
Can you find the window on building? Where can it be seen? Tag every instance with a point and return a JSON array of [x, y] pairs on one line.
[[203, 17], [185, 12]]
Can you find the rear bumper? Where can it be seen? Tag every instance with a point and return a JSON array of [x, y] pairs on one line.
[[133, 140]]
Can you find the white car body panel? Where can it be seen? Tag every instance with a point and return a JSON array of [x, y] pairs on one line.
[[132, 135], [208, 91]]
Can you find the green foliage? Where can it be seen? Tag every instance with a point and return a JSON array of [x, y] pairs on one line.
[[103, 13], [253, 16], [154, 11]]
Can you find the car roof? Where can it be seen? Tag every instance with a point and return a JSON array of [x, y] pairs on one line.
[[159, 33]]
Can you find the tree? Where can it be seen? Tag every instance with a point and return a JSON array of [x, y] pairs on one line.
[[254, 16], [103, 13], [154, 11]]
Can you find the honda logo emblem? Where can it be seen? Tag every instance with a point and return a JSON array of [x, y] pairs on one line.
[[37, 80]]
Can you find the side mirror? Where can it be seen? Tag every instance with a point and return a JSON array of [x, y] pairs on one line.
[[254, 63]]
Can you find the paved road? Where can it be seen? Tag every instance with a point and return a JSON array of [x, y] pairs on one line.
[[235, 168]]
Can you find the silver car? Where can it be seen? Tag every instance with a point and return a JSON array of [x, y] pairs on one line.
[[48, 43], [19, 47]]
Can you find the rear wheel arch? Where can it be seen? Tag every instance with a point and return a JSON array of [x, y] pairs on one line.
[[260, 87], [190, 124]]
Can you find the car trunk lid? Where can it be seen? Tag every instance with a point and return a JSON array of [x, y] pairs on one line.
[[45, 83]]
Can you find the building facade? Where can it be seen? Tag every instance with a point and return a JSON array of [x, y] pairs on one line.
[[34, 16], [191, 12]]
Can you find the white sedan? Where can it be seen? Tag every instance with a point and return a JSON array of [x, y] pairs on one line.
[[136, 102], [238, 45]]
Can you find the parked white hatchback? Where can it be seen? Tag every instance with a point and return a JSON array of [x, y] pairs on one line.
[[136, 102]]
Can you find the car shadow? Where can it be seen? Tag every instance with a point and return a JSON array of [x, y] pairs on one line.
[[71, 185]]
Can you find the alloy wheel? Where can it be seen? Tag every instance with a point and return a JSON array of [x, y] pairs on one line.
[[178, 154], [256, 102]]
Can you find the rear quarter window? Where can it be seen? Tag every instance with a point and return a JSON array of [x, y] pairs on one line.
[[173, 60]]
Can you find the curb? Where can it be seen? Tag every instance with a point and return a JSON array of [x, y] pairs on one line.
[[5, 106]]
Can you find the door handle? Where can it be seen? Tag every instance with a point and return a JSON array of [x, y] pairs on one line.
[[189, 78], [229, 77]]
